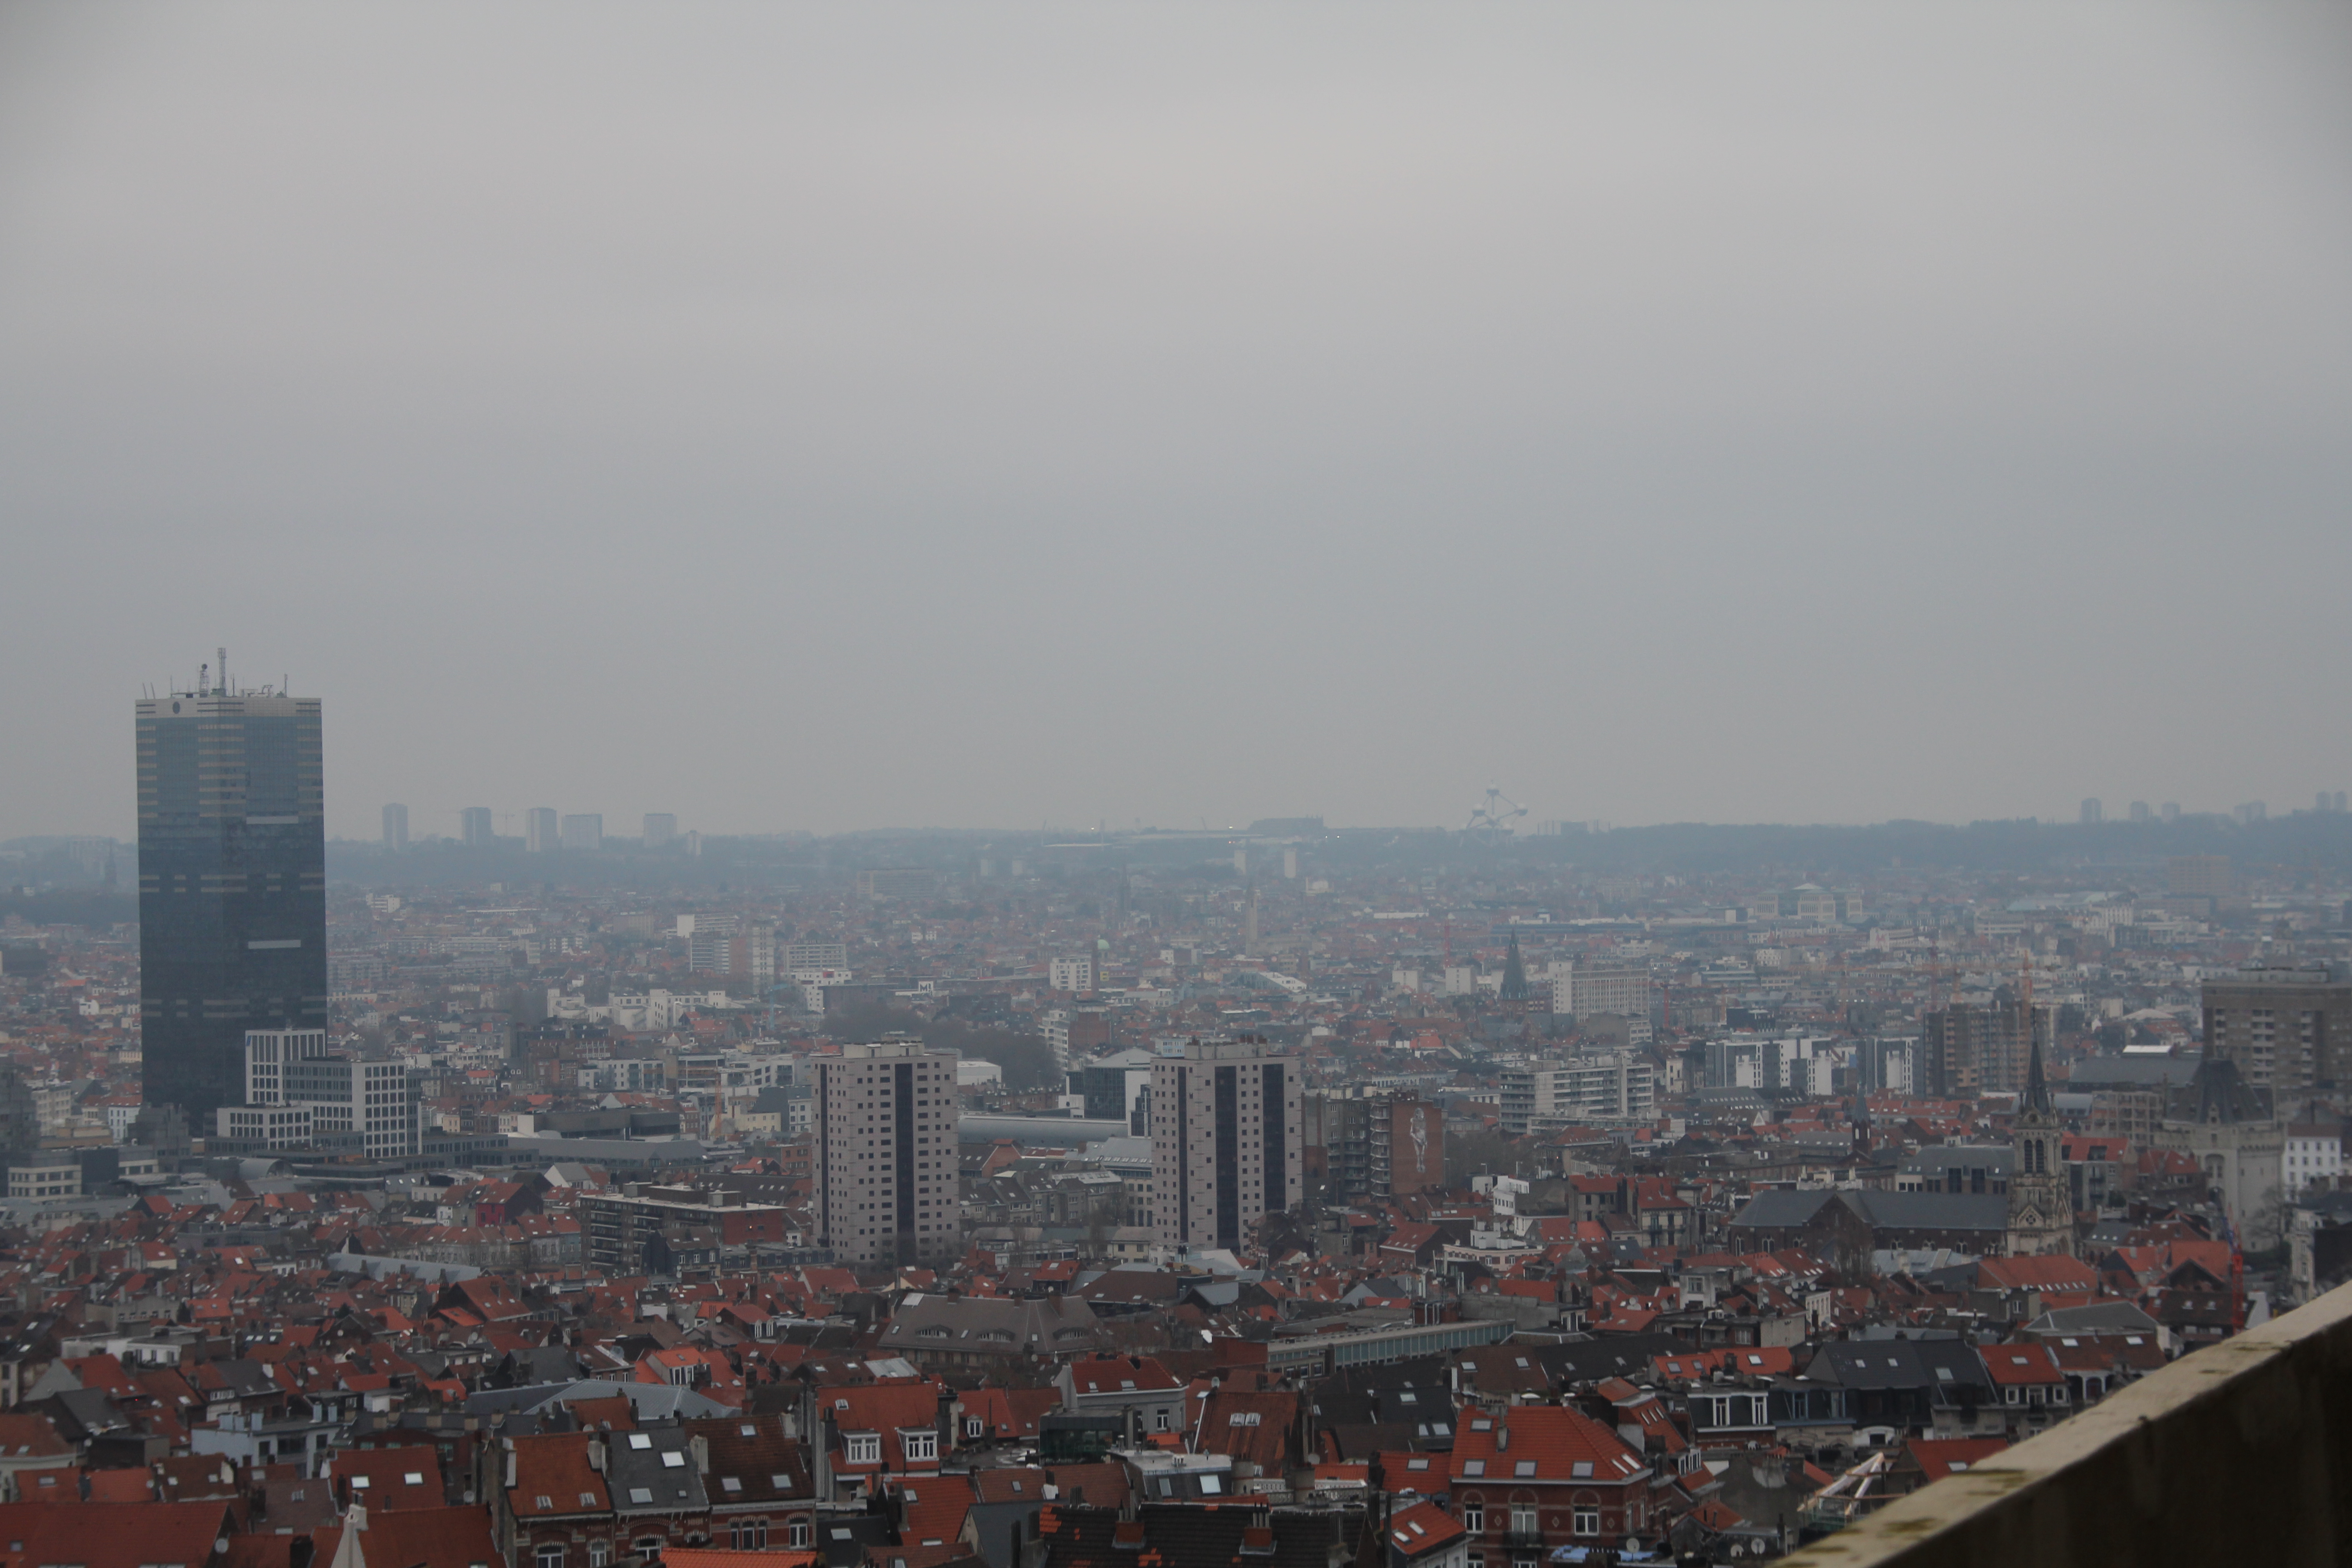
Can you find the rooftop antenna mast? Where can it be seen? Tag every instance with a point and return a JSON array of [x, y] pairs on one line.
[[224, 670]]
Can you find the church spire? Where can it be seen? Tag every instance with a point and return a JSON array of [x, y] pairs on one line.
[[1515, 973], [2037, 1089]]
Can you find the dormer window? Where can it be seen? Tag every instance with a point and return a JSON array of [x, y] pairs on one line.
[[862, 1448]]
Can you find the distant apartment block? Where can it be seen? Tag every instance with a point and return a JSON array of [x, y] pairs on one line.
[[541, 830], [474, 829], [1967, 1050], [1587, 1088], [814, 957], [1073, 1034], [1374, 1145], [2287, 1029], [642, 1230], [395, 829], [1586, 989], [2199, 876], [2314, 1156], [1071, 975]]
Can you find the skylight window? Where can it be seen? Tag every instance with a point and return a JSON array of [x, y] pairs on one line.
[[1580, 1470], [641, 1494], [640, 1440], [673, 1460], [1527, 1467]]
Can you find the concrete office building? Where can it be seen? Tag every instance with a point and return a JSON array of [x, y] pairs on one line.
[[395, 829], [800, 957], [1586, 989], [1225, 1142], [2289, 1030], [540, 830], [330, 1098], [1581, 1089], [232, 883], [584, 831], [475, 828], [887, 1186]]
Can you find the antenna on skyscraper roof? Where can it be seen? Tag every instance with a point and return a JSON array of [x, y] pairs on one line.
[[224, 670]]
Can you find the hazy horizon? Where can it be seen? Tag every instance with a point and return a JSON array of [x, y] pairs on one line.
[[811, 419]]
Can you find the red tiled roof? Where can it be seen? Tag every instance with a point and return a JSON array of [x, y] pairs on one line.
[[2021, 1364], [114, 1534], [1423, 1527], [552, 1476], [1548, 1443], [1938, 1457]]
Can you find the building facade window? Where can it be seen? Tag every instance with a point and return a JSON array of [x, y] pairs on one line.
[[796, 1534], [865, 1448], [749, 1534], [919, 1446], [548, 1556], [1588, 1520], [1473, 1517]]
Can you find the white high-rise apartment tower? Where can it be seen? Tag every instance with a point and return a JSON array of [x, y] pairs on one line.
[[1225, 1142], [886, 1154]]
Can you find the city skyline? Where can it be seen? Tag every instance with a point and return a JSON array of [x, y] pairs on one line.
[[1069, 785]]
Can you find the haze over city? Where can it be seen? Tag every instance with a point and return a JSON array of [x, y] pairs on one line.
[[803, 419], [1054, 786]]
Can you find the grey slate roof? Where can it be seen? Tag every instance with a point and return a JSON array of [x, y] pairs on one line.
[[2094, 1318], [1784, 1210], [1060, 1325], [1932, 1211], [1877, 1363], [652, 1471], [651, 1401]]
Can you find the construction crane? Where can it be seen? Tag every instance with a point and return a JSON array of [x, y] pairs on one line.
[[1493, 819]]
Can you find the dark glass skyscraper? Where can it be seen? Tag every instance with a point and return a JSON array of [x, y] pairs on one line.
[[232, 886]]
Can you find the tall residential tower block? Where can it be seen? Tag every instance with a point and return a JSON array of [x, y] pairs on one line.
[[886, 1187], [1225, 1142]]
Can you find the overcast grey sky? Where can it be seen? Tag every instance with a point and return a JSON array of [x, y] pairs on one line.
[[849, 417]]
